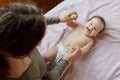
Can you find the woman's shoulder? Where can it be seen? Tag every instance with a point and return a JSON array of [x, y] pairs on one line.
[[35, 69]]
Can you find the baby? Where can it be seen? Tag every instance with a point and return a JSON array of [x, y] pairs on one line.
[[83, 36]]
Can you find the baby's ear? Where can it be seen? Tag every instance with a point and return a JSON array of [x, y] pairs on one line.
[[102, 31], [100, 35]]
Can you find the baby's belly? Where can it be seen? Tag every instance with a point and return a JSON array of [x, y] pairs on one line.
[[75, 37], [77, 42]]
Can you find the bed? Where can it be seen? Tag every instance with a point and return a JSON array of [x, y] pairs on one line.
[[103, 61]]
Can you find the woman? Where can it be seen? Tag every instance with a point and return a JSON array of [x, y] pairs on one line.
[[22, 27]]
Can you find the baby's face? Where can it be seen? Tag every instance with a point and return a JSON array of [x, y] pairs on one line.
[[93, 27]]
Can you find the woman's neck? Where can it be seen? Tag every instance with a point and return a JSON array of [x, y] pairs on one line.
[[18, 66]]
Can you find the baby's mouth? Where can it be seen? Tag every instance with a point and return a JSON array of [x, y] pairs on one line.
[[88, 30]]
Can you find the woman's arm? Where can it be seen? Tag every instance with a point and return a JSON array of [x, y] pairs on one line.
[[72, 15], [65, 62], [52, 20], [57, 71]]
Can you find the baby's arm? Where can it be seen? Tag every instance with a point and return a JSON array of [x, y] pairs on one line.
[[87, 47], [73, 24]]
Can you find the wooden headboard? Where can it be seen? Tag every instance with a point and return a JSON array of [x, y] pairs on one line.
[[45, 5]]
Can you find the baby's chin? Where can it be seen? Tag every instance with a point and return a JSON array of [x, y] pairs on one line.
[[89, 35]]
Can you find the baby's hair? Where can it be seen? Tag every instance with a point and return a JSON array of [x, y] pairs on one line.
[[101, 19]]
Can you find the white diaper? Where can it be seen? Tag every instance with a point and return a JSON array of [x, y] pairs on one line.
[[61, 51]]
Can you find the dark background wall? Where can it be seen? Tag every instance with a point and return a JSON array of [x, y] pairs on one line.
[[45, 5]]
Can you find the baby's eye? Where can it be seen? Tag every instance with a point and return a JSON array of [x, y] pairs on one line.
[[91, 24]]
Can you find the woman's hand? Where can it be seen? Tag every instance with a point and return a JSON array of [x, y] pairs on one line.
[[68, 16], [73, 53]]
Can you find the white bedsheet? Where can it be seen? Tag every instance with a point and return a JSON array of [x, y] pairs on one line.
[[103, 61], [61, 5]]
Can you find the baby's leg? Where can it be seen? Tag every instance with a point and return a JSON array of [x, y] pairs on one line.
[[50, 54]]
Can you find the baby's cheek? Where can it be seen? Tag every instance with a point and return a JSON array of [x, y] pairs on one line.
[[95, 34]]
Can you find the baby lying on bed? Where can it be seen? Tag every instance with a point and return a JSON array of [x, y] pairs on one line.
[[83, 36]]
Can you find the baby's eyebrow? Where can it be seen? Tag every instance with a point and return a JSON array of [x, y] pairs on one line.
[[91, 22]]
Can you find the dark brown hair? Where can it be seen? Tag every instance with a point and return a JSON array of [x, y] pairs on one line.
[[22, 26]]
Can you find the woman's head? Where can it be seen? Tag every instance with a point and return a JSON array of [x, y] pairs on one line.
[[22, 26]]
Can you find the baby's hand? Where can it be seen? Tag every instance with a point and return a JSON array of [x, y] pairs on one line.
[[72, 54], [69, 16], [72, 48]]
